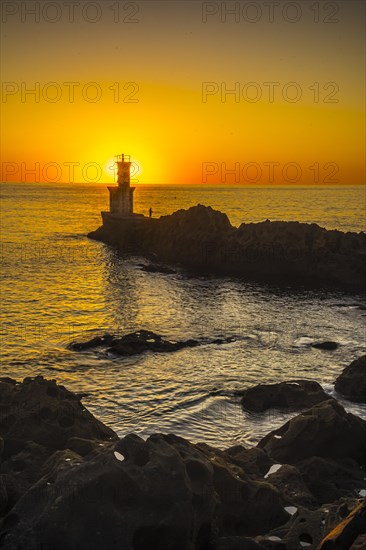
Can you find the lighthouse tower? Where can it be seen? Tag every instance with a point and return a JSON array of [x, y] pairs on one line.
[[121, 197]]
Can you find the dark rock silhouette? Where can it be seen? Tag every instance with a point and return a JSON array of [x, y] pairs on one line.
[[351, 529], [140, 342], [201, 238], [325, 430], [359, 543], [77, 485], [96, 342], [352, 382], [329, 479], [307, 527], [296, 394], [329, 346], [47, 411]]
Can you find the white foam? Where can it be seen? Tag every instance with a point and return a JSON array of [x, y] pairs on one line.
[[362, 492], [274, 468], [303, 544], [277, 436], [274, 539], [303, 341], [119, 456]]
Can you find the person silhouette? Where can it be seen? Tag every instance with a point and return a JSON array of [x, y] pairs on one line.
[[150, 212]]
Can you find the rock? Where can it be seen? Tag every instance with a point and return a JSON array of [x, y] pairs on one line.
[[329, 480], [38, 417], [296, 394], [202, 239], [307, 528], [45, 413], [21, 467], [162, 493], [352, 382], [235, 490], [3, 496], [325, 430], [360, 543], [295, 490], [81, 446], [154, 268], [166, 493], [95, 342], [329, 346], [254, 461], [142, 341], [347, 532], [133, 343]]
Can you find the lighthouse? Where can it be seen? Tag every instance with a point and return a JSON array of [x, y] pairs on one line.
[[121, 197]]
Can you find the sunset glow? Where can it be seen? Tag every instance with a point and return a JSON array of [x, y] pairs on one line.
[[225, 91]]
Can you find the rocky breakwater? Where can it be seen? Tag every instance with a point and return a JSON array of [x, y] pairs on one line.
[[201, 238], [67, 481]]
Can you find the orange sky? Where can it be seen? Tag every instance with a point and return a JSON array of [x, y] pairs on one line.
[[153, 85]]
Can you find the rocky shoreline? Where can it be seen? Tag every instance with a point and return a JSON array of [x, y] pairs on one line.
[[69, 482], [202, 239]]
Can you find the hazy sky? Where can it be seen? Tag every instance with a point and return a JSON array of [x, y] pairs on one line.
[[153, 79]]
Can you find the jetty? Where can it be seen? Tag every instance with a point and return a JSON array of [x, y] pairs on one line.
[[203, 240]]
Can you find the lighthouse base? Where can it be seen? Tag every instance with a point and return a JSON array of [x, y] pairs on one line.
[[108, 216], [126, 233]]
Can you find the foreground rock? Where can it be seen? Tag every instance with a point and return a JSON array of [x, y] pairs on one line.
[[37, 419], [326, 430], [128, 493], [307, 527], [352, 382], [68, 485], [201, 238], [140, 342], [296, 394], [46, 414], [347, 532]]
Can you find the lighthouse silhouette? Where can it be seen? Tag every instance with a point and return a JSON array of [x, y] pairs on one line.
[[121, 197]]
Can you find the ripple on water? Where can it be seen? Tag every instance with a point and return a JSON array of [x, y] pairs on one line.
[[58, 286]]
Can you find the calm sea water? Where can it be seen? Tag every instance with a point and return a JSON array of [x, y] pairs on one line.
[[58, 286]]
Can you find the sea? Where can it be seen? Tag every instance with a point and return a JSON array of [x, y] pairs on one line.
[[58, 286]]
